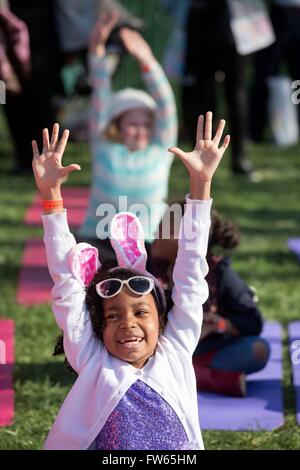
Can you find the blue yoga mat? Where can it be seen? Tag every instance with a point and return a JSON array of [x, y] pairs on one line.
[[294, 342], [262, 408], [294, 246]]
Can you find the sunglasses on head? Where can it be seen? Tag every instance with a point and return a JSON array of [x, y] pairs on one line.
[[139, 285]]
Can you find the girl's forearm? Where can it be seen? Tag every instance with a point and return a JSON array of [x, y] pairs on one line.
[[199, 190]]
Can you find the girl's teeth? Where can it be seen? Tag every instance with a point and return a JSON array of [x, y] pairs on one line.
[[131, 340]]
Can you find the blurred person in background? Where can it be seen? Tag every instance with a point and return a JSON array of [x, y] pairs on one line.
[[30, 105], [272, 61], [130, 131]]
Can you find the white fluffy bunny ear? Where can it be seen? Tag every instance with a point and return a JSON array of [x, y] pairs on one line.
[[127, 239], [84, 262]]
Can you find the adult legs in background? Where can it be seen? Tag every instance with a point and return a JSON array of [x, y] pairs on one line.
[[198, 90], [270, 62], [293, 46], [210, 48], [35, 107], [16, 111], [234, 67]]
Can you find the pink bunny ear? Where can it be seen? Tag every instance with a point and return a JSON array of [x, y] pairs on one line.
[[84, 262], [127, 239]]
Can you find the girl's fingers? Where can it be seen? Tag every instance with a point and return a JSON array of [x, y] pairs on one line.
[[225, 144], [199, 134], [208, 126], [108, 21], [63, 142], [179, 153], [54, 137], [68, 169], [114, 17], [35, 149], [219, 132], [46, 143]]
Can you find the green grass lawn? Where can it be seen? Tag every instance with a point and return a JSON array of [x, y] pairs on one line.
[[267, 213]]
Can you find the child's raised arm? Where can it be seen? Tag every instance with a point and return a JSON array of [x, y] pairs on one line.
[[68, 292], [190, 288], [165, 131], [101, 32], [100, 68]]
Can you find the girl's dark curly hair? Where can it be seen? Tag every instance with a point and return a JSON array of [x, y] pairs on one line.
[[95, 303], [223, 232]]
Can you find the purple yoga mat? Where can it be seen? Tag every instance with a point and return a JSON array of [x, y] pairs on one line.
[[75, 200], [262, 408], [294, 342], [294, 246]]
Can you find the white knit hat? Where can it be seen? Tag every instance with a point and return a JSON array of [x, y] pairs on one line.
[[128, 99]]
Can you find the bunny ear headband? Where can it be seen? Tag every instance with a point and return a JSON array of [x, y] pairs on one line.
[[127, 239]]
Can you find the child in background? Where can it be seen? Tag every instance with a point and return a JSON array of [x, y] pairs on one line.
[[230, 346], [136, 385], [130, 131]]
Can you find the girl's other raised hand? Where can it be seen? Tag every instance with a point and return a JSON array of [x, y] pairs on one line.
[[47, 166], [203, 161], [136, 46], [101, 32]]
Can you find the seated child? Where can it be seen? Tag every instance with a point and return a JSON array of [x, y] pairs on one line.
[[230, 346]]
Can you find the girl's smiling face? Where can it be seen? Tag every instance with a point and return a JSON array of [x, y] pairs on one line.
[[135, 128], [131, 327]]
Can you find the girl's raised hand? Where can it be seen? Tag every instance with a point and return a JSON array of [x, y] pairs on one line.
[[47, 167], [101, 32], [136, 45], [203, 161]]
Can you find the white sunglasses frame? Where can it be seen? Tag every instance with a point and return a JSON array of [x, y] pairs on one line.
[[126, 283]]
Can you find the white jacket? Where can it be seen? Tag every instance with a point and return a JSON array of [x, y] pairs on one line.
[[103, 379]]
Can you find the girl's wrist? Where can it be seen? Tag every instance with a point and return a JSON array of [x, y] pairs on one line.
[[146, 64], [51, 194], [52, 206], [199, 190], [98, 50]]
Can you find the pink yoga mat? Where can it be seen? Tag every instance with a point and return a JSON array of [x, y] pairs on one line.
[[75, 200], [6, 372], [35, 283]]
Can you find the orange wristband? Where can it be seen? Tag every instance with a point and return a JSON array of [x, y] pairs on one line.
[[53, 204], [222, 325]]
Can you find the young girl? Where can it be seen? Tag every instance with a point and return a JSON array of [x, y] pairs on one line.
[[230, 345], [136, 385], [130, 131]]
